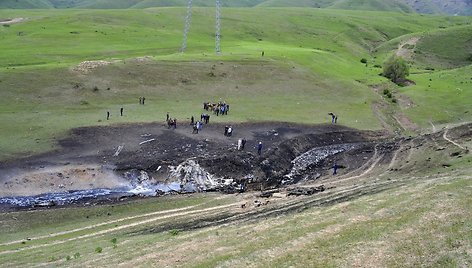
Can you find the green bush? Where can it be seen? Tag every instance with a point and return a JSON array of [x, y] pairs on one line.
[[76, 255], [98, 250], [363, 60], [386, 91], [396, 69]]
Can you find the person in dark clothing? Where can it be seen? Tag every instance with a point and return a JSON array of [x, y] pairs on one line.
[[207, 118], [121, 111], [167, 116], [259, 148], [334, 118], [108, 115], [144, 100], [140, 100], [262, 53], [243, 144], [335, 168], [175, 123], [217, 111], [192, 120], [226, 130], [195, 129]]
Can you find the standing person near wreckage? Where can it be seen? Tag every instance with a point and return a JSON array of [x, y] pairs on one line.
[[259, 148]]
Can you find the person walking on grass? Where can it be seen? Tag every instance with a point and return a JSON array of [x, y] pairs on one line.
[[121, 111], [108, 115]]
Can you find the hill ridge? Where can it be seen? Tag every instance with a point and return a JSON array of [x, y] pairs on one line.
[[450, 7]]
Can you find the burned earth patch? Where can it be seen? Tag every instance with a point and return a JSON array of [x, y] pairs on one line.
[[157, 159]]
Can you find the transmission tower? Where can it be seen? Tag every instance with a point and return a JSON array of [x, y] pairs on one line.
[[188, 21], [218, 27]]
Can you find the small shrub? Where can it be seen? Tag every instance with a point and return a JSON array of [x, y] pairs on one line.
[[68, 258], [174, 232], [363, 60], [95, 89], [84, 102], [389, 95], [76, 255], [6, 25], [98, 250], [386, 91], [394, 100], [114, 240], [377, 66], [396, 69], [52, 259]]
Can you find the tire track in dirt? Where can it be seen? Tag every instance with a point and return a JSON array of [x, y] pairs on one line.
[[98, 233], [451, 141], [98, 225], [375, 159]]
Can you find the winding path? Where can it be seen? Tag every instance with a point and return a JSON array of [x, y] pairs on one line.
[[451, 141]]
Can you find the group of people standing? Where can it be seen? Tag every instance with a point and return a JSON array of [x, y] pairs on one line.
[[219, 108]]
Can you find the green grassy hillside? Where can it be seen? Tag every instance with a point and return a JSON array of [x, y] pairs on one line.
[[452, 7], [311, 66], [25, 4], [372, 5], [444, 49]]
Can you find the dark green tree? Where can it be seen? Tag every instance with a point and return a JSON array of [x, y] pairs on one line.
[[396, 69]]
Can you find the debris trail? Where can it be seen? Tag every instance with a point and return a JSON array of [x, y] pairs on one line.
[[118, 151], [147, 141]]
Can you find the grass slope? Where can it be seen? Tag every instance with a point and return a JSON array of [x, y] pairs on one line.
[[445, 49], [25, 4], [306, 72]]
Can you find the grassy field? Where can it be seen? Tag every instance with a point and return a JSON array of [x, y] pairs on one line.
[[311, 67]]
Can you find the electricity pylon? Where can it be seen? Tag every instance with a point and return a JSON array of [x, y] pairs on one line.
[[188, 21]]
